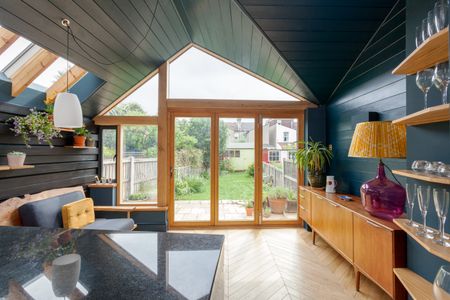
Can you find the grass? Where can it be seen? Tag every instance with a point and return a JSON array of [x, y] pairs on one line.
[[232, 186]]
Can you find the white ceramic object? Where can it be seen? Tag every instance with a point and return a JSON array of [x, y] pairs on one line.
[[331, 185], [16, 160]]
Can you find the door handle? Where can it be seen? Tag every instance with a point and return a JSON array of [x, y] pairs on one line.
[[332, 204], [301, 206], [373, 224]]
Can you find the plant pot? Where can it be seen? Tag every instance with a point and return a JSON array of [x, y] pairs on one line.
[[79, 140], [316, 180], [291, 207], [249, 211], [266, 214], [90, 143], [278, 206], [15, 161]]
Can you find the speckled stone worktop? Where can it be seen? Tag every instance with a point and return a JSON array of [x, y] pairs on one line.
[[114, 265]]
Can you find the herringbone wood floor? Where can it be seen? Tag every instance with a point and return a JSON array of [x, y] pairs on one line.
[[283, 264]]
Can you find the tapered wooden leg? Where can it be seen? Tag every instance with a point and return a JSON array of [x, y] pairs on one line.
[[357, 279], [314, 237]]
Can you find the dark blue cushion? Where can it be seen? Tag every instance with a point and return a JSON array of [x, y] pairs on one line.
[[47, 213], [111, 224]]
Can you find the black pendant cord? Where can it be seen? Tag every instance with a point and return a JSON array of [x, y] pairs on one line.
[[67, 60], [392, 173], [95, 60]]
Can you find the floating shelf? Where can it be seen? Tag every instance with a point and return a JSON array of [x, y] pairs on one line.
[[423, 176], [439, 113], [80, 147], [65, 129], [433, 51], [417, 287], [8, 168], [428, 244]]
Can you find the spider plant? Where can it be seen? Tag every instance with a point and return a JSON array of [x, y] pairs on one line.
[[313, 157]]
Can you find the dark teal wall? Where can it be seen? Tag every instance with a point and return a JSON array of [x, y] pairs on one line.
[[368, 87]]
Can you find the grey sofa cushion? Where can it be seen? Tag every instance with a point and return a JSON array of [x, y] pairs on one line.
[[111, 224], [47, 213]]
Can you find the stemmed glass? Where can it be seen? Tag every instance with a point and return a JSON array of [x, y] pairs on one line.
[[423, 198], [431, 23], [441, 14], [411, 194], [441, 203], [425, 34], [419, 38], [441, 285], [424, 80], [441, 79]]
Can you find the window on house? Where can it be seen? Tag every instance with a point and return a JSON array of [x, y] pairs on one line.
[[285, 136], [292, 155], [13, 51], [274, 156], [237, 153], [55, 71]]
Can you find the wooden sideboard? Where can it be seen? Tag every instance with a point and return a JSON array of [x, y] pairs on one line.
[[373, 246]]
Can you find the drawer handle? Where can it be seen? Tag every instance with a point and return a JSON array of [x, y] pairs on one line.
[[301, 206], [301, 196], [333, 204], [373, 224]]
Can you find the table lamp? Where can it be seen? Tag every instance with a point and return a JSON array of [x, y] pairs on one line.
[[380, 196]]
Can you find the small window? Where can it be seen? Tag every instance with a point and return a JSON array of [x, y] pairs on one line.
[[237, 153], [285, 136], [52, 74], [274, 156], [13, 52]]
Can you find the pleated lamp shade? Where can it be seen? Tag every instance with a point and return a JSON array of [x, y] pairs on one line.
[[67, 111], [378, 140]]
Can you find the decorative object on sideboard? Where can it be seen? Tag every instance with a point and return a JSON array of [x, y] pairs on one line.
[[79, 137], [67, 110], [16, 159], [313, 158], [36, 124], [331, 185], [380, 196]]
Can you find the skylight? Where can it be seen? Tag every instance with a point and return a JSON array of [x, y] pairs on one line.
[[52, 73], [13, 51], [142, 102], [198, 75]]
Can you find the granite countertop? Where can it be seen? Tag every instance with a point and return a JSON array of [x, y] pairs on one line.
[[114, 265]]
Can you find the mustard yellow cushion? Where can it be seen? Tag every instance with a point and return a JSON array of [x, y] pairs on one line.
[[78, 214]]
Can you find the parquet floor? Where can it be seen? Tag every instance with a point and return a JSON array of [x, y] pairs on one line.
[[283, 264]]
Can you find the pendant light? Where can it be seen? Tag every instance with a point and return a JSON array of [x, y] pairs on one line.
[[67, 111]]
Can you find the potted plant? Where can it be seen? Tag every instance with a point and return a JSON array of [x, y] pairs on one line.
[[278, 200], [313, 158], [249, 208], [79, 139], [267, 212], [16, 159], [292, 204], [89, 140], [36, 124]]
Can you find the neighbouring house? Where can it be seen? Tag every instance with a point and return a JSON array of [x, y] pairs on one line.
[[240, 144], [279, 137]]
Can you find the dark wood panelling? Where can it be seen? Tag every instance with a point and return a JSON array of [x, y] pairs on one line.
[[368, 86], [54, 167]]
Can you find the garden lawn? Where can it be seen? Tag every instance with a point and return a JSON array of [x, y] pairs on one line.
[[232, 186]]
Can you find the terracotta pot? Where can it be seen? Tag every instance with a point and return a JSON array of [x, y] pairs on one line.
[[278, 206], [79, 140], [249, 211], [15, 161], [90, 143], [50, 117]]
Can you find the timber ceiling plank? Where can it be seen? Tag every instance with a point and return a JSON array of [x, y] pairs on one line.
[[7, 38]]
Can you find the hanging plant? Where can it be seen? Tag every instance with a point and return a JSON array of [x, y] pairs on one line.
[[37, 124]]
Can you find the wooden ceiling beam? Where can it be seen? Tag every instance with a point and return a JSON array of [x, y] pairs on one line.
[[7, 38], [229, 105], [37, 64], [125, 120], [75, 73]]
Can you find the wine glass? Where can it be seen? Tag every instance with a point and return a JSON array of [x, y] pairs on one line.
[[441, 203], [424, 80], [441, 14], [419, 38], [441, 284], [425, 34], [431, 23], [423, 198], [441, 79], [411, 194]]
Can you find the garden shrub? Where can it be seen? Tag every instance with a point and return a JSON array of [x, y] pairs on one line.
[[251, 170], [196, 184], [182, 187], [139, 196]]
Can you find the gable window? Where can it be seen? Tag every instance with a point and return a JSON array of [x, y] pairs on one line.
[[285, 136]]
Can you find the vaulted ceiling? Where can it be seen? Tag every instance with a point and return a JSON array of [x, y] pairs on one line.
[[303, 45]]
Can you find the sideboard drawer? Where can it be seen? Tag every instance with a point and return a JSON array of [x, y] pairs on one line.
[[305, 206]]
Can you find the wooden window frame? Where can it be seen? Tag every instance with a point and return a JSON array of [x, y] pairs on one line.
[[7, 38]]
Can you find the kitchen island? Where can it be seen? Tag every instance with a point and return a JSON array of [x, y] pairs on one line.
[[111, 265]]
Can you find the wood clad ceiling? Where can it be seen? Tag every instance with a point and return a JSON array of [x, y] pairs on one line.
[[319, 38], [305, 43]]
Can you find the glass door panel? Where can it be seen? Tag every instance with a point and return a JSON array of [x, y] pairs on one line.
[[108, 149], [192, 169], [279, 171], [236, 169], [139, 164]]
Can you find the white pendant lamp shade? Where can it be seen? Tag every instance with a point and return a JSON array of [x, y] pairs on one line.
[[67, 111]]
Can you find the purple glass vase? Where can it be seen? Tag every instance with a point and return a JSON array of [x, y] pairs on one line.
[[382, 197]]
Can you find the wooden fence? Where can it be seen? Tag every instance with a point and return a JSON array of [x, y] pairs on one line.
[[285, 177]]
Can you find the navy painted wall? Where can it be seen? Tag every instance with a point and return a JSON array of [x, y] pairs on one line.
[[368, 87], [429, 142]]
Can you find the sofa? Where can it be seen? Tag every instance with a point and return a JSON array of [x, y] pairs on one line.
[[47, 213]]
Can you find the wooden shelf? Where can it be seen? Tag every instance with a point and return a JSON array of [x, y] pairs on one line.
[[439, 113], [429, 245], [65, 129], [80, 147], [433, 51], [8, 168], [102, 185], [417, 287], [423, 176]]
